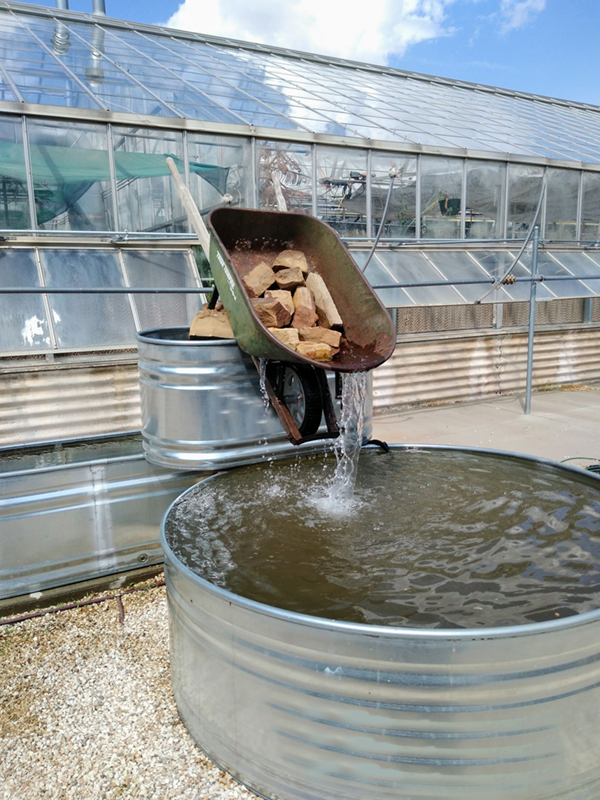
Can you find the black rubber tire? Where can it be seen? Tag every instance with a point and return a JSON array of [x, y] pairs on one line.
[[306, 403]]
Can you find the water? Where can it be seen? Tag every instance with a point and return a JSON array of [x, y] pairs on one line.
[[262, 382], [347, 446], [436, 539]]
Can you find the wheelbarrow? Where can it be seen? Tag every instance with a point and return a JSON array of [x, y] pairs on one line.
[[234, 242]]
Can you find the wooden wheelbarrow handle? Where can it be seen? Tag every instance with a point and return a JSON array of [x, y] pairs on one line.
[[191, 208]]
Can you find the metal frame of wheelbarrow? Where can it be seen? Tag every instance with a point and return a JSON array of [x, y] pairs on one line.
[[236, 238]]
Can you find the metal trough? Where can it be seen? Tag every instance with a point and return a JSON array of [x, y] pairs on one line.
[[202, 407], [306, 708], [76, 511]]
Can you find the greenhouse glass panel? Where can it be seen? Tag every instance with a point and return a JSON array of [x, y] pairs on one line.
[[441, 192], [87, 320], [231, 156], [378, 275], [342, 189], [548, 267], [146, 193], [71, 176], [581, 265], [485, 200], [561, 204], [149, 268], [400, 220], [14, 202], [457, 266], [414, 267], [497, 265], [590, 215], [524, 187], [24, 323], [292, 164]]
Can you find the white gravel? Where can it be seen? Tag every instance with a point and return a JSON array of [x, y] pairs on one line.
[[87, 710]]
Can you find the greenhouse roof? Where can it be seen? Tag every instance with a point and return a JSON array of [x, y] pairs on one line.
[[71, 60]]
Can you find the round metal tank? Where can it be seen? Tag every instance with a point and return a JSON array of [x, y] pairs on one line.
[[202, 407], [305, 708]]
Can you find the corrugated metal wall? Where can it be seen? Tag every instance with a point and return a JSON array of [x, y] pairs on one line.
[[52, 402], [476, 366]]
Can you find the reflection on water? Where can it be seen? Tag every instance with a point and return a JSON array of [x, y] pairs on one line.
[[438, 539]]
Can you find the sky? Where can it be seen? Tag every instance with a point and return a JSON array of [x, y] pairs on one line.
[[547, 47]]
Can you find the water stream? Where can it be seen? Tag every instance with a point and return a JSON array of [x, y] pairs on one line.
[[347, 446]]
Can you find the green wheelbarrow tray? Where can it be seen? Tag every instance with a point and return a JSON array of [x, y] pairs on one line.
[[241, 238]]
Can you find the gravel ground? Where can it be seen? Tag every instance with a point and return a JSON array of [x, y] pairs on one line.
[[87, 711]]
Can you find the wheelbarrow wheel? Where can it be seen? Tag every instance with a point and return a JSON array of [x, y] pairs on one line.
[[298, 388]]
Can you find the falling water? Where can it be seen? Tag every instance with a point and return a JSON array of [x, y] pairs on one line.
[[347, 446], [262, 378]]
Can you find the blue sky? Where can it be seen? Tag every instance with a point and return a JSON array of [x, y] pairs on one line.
[[547, 47]]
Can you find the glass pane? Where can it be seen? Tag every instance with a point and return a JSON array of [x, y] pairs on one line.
[[400, 219], [292, 164], [14, 204], [485, 188], [413, 267], [441, 190], [342, 189], [590, 217], [524, 187], [561, 204], [458, 266], [71, 176], [377, 275], [231, 158], [146, 193], [547, 266], [589, 261], [24, 323], [497, 265], [87, 320], [162, 268]]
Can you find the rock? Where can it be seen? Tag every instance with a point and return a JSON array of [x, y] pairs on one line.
[[328, 314], [291, 258], [288, 336], [271, 313], [284, 297], [211, 325], [318, 334], [259, 279], [318, 351], [305, 314], [289, 278]]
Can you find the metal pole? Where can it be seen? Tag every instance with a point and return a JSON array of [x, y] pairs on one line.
[[532, 298]]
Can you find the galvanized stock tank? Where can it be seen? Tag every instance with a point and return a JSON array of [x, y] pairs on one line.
[[202, 407], [305, 708]]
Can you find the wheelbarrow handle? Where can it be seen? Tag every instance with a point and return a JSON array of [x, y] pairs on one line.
[[191, 208]]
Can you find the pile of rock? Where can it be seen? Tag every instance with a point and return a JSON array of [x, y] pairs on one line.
[[295, 305]]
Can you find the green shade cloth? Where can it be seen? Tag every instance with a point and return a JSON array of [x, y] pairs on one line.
[[54, 165], [62, 175]]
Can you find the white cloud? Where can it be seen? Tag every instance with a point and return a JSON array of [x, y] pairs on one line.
[[345, 28], [516, 13]]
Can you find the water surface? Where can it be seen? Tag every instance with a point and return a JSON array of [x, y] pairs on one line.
[[438, 539]]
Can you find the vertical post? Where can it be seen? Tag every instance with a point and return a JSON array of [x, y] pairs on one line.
[[113, 177], [313, 172], [532, 299], [369, 227], [418, 200], [29, 174]]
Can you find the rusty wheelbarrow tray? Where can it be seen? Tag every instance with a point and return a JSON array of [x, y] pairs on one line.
[[241, 238]]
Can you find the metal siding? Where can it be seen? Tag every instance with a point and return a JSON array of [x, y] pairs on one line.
[[436, 370], [48, 404]]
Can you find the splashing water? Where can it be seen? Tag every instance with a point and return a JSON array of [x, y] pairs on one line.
[[347, 446]]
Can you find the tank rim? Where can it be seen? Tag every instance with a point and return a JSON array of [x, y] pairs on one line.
[[147, 337], [391, 631]]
